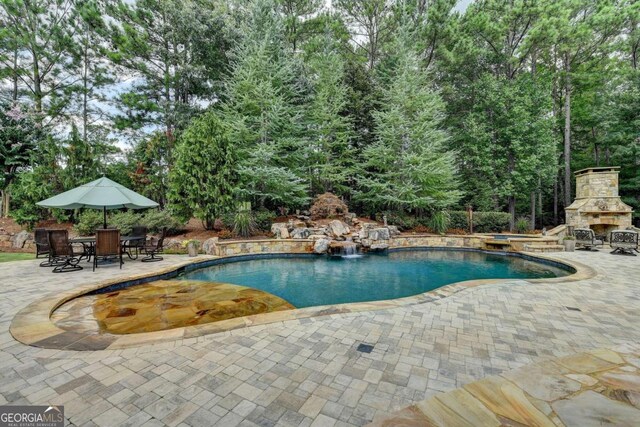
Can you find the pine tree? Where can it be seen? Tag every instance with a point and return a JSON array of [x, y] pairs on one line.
[[263, 105], [329, 127], [408, 166]]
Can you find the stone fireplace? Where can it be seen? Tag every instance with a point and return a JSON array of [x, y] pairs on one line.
[[597, 204]]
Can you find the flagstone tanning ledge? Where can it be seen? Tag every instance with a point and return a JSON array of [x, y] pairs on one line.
[[597, 387], [33, 324]]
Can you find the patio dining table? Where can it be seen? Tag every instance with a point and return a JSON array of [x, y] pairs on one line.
[[88, 244]]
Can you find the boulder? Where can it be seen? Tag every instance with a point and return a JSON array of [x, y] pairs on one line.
[[300, 233], [280, 230], [379, 234], [378, 247], [210, 246], [295, 223], [393, 230], [338, 228], [173, 244], [20, 238], [317, 236], [321, 246]]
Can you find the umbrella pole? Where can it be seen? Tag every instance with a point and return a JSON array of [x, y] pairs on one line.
[[104, 212]]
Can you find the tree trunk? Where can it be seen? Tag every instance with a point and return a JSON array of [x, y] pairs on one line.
[[555, 200], [14, 78], [567, 132], [540, 218], [512, 213], [4, 206], [533, 210], [85, 101]]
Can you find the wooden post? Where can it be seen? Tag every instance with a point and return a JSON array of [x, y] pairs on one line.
[[470, 218]]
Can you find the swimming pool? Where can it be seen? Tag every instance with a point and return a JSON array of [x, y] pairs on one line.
[[319, 280]]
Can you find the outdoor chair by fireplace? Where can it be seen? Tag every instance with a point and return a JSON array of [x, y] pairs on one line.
[[62, 254], [107, 246], [154, 247], [624, 242], [586, 238]]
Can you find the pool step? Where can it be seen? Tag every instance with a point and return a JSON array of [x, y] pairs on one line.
[[543, 248]]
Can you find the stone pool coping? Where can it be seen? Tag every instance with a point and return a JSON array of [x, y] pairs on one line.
[[33, 326]]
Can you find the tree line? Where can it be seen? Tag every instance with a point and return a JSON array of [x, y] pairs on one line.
[[407, 107]]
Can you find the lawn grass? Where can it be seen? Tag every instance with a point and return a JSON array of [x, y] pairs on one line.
[[6, 257]]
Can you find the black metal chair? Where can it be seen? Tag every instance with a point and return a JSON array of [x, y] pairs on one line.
[[107, 246], [133, 247], [152, 248], [62, 254], [586, 238], [624, 242]]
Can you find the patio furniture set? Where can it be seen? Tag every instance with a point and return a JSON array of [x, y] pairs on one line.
[[65, 254], [623, 242]]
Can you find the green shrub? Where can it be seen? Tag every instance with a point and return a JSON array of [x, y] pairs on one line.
[[399, 219], [88, 221], [243, 223], [155, 220], [483, 222], [522, 224], [459, 219], [490, 222], [124, 221], [264, 218], [439, 222]]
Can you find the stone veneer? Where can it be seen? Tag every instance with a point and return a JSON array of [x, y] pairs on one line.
[[597, 204], [240, 247]]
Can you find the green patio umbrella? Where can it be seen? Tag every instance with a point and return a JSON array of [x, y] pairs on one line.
[[102, 194]]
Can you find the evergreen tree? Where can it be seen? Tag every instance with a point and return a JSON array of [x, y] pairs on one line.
[[204, 180], [408, 166], [263, 106], [18, 141], [329, 127]]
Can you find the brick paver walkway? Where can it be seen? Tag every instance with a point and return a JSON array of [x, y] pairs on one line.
[[308, 371]]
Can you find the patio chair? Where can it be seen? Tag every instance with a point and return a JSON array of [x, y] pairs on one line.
[[152, 248], [624, 242], [133, 247], [586, 239], [107, 246], [62, 254], [41, 237]]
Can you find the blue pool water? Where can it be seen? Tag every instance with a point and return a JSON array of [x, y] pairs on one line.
[[321, 280]]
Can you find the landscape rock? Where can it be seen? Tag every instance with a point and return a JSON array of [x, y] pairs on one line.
[[338, 228], [379, 247], [293, 224], [317, 236], [172, 244], [393, 230], [321, 246], [210, 247], [20, 238], [300, 233], [280, 230], [379, 234]]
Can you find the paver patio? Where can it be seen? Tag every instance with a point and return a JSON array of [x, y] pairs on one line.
[[308, 371]]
